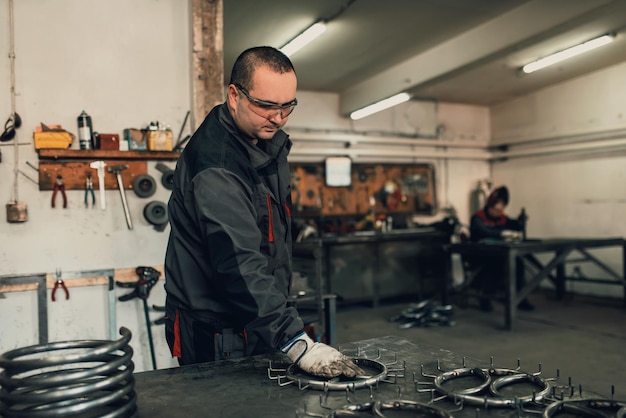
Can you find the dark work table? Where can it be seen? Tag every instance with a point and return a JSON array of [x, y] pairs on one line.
[[519, 254], [376, 235], [242, 388], [368, 266]]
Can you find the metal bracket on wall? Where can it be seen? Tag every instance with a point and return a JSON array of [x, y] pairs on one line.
[[31, 282]]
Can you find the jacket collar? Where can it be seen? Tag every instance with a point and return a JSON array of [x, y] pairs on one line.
[[260, 154]]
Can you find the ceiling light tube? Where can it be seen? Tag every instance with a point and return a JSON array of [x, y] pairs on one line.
[[381, 105], [304, 38], [567, 53]]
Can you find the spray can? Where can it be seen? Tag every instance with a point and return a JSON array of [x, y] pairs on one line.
[[85, 131]]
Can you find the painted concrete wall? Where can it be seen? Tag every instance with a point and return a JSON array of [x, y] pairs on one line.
[[126, 64], [570, 194]]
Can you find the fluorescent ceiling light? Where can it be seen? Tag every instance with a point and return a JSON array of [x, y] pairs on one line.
[[378, 106], [567, 53], [304, 38]]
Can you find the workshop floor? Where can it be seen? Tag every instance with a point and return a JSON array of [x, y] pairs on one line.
[[583, 337]]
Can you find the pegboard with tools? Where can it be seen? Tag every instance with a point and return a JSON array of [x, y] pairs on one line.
[[75, 165], [378, 188], [74, 174]]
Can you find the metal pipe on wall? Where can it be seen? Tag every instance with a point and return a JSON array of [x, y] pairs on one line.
[[582, 147]]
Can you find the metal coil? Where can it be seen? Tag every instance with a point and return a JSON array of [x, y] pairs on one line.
[[591, 408], [86, 378], [414, 408]]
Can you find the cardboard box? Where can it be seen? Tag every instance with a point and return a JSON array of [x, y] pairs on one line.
[[136, 139], [161, 140]]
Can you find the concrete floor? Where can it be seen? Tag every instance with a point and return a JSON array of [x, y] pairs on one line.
[[583, 337]]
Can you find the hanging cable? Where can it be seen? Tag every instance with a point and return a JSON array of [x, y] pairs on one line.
[[14, 197]]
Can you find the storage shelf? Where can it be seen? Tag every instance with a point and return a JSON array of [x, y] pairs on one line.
[[74, 154]]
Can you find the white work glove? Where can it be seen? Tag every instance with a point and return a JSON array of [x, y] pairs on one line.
[[510, 235], [319, 359]]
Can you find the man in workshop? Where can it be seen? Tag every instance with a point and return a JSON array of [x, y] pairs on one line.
[[228, 262], [492, 224]]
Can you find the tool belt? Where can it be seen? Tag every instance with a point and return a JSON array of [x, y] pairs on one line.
[[217, 341]]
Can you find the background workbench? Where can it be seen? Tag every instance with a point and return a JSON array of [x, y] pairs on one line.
[[372, 265], [521, 258]]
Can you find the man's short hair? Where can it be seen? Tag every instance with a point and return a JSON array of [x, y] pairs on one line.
[[252, 58]]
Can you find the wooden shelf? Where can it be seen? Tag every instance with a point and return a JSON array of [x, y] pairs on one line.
[[75, 154]]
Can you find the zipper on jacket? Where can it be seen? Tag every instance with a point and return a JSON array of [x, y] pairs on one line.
[[270, 233]]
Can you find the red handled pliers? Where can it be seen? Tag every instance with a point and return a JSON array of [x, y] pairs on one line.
[[59, 186], [57, 284]]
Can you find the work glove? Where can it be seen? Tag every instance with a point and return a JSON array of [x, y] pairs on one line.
[[510, 235], [319, 359]]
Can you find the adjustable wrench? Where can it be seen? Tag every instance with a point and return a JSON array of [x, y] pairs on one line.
[[99, 165], [117, 170]]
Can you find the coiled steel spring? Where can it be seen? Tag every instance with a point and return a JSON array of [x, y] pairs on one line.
[[85, 378]]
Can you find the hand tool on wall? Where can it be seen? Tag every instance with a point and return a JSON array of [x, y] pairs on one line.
[[155, 213], [180, 143], [161, 320], [59, 186], [27, 176], [59, 283], [117, 170], [144, 185], [89, 191], [148, 277], [167, 180], [99, 166]]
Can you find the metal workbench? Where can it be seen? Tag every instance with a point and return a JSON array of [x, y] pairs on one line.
[[242, 388], [518, 255], [368, 266]]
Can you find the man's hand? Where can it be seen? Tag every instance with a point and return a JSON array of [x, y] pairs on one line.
[[319, 359]]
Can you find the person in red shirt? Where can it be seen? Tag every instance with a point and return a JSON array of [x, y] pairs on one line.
[[492, 224]]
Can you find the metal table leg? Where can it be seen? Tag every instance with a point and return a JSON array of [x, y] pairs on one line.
[[330, 314], [511, 294]]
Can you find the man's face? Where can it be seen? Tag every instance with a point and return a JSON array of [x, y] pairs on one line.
[[497, 209], [257, 121]]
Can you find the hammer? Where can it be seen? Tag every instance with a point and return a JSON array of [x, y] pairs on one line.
[[117, 170]]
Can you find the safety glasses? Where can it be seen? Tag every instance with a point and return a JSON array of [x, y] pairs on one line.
[[10, 126], [268, 109]]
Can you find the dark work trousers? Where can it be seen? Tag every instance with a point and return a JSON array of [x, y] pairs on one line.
[[197, 341]]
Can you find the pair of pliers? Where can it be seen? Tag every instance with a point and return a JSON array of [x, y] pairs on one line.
[[88, 191], [59, 186], [59, 283]]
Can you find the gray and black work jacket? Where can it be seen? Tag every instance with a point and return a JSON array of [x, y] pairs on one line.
[[229, 251]]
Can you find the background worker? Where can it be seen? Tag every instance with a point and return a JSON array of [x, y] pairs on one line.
[[228, 261], [491, 223]]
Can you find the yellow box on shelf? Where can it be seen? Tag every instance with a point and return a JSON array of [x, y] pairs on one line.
[[52, 140], [159, 140]]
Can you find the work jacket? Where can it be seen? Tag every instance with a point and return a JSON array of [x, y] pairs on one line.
[[229, 251], [484, 226]]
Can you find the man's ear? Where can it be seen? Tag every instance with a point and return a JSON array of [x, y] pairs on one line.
[[232, 89], [231, 94]]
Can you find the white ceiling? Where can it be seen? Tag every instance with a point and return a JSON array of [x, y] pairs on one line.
[[465, 51]]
